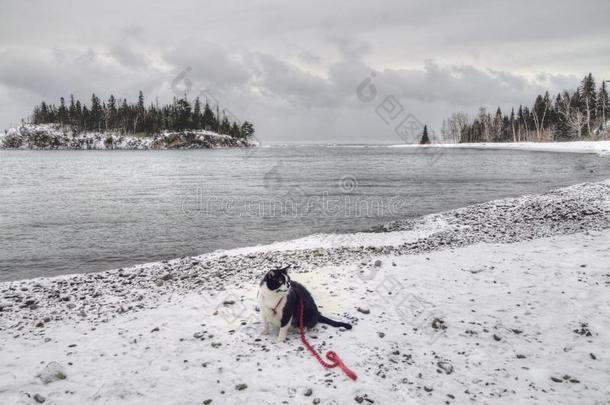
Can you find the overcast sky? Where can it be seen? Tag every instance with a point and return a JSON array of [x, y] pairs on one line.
[[295, 70]]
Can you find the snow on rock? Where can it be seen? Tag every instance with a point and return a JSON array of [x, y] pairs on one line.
[[502, 301], [52, 372], [54, 136]]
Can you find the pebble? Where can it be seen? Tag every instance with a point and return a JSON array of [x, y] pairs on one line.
[[53, 371], [39, 398], [445, 366], [308, 392], [438, 324], [241, 387], [365, 311]]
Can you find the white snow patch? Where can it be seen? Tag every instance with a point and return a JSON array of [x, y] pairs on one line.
[[601, 148], [430, 224]]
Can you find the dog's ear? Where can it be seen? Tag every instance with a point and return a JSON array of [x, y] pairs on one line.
[[283, 270]]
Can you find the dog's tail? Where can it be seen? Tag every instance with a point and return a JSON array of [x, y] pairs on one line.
[[336, 324]]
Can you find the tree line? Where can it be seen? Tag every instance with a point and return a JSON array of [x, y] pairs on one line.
[[121, 116], [570, 115]]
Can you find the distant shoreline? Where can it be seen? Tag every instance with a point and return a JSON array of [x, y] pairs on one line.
[[601, 148]]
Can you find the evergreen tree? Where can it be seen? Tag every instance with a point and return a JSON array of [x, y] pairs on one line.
[[96, 114], [225, 126], [197, 117], [79, 123], [425, 140], [235, 132], [44, 112], [138, 115], [86, 117], [209, 120], [513, 131], [561, 129], [111, 114], [602, 104], [247, 129], [183, 114], [73, 117], [140, 102], [62, 112], [125, 117], [497, 127]]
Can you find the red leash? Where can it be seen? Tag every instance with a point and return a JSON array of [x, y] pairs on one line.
[[334, 358]]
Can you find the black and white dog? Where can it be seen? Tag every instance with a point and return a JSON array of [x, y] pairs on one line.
[[280, 299]]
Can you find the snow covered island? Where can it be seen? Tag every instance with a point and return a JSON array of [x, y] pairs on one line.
[[55, 136], [500, 302]]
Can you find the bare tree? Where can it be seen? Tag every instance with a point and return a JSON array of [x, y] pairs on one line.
[[525, 120], [485, 120], [454, 125], [571, 114], [539, 119], [587, 93]]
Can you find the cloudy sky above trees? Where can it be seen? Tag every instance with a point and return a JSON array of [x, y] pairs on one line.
[[294, 70]]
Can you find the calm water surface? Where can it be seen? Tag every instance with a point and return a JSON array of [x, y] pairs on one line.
[[82, 211]]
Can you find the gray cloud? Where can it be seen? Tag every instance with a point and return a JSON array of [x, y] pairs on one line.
[[293, 69], [351, 49], [211, 64]]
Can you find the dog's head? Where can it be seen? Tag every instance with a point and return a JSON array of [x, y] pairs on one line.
[[277, 279]]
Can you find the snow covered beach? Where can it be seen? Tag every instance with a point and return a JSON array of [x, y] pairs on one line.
[[601, 148], [497, 302]]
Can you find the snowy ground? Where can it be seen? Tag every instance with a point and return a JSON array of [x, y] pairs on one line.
[[501, 302], [598, 147]]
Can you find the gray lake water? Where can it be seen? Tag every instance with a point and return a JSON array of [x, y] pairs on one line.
[[83, 211]]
